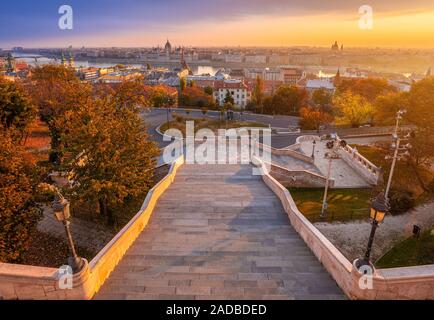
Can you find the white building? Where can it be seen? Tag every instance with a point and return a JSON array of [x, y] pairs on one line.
[[253, 73], [236, 88], [235, 58], [278, 59], [256, 59], [316, 84]]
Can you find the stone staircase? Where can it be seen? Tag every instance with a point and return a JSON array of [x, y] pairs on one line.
[[218, 232]]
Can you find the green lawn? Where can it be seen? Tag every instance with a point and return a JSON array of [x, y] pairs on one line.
[[343, 204], [410, 252]]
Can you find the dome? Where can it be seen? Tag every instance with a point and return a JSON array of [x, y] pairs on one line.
[[168, 46]]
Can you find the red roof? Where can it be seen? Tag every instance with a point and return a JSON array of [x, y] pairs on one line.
[[269, 85], [221, 84]]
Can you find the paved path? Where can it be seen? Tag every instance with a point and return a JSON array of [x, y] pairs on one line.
[[218, 232], [351, 237], [86, 234], [344, 175]]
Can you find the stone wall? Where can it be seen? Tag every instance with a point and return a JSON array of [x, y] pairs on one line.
[[30, 282], [286, 152], [361, 165], [397, 283], [299, 178]]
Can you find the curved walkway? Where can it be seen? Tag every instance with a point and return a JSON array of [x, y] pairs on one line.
[[218, 232]]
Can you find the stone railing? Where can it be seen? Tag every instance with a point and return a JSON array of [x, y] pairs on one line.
[[361, 165], [397, 283], [299, 178], [286, 152], [30, 282]]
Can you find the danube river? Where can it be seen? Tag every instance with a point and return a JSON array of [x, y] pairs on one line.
[[34, 59]]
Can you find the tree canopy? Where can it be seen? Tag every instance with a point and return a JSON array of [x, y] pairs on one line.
[[352, 109], [368, 88], [110, 157], [16, 108], [19, 212]]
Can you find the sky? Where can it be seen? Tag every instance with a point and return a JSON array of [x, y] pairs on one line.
[[134, 23]]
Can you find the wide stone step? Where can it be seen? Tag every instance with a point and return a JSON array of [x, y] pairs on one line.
[[219, 233]]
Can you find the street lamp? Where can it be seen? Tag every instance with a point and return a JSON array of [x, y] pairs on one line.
[[379, 208], [333, 146], [313, 149], [167, 116], [62, 214]]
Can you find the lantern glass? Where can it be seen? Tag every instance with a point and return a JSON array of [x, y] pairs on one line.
[[377, 215], [61, 210], [59, 215]]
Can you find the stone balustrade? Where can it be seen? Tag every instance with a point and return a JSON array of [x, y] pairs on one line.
[[299, 178], [31, 282], [286, 152], [361, 165], [396, 283]]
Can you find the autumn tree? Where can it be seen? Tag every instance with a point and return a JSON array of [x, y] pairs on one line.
[[55, 90], [131, 94], [286, 100], [196, 97], [322, 98], [19, 212], [182, 84], [368, 88], [208, 90], [228, 98], [420, 113], [16, 108], [314, 118], [161, 97], [386, 106], [351, 109], [110, 156], [420, 103], [258, 93]]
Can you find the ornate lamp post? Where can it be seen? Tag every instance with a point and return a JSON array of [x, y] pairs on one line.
[[333, 146], [313, 149], [379, 208], [62, 214], [380, 205]]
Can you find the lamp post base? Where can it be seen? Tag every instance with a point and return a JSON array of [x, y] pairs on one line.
[[76, 264], [361, 262]]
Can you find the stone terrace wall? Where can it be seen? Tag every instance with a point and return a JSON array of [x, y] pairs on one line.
[[30, 282], [397, 283], [299, 178], [361, 165], [286, 152]]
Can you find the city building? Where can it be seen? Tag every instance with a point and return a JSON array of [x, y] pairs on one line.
[[292, 76], [256, 59], [316, 84], [89, 74], [234, 58], [356, 73], [236, 88], [278, 59], [118, 77]]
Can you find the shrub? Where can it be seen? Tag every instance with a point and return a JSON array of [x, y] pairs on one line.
[[401, 201]]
